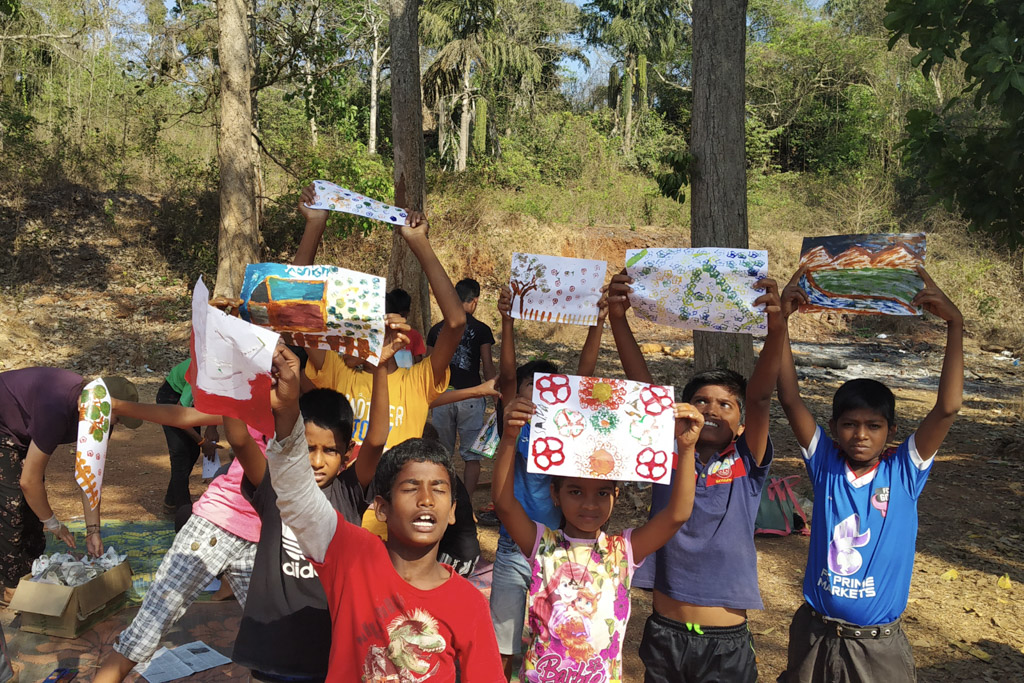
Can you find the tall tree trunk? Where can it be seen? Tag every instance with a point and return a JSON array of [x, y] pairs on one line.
[[410, 160], [467, 114], [375, 60], [935, 75], [718, 191], [627, 105], [259, 189], [237, 241], [307, 73], [442, 130]]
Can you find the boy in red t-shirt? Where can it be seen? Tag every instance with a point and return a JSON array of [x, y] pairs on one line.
[[397, 614]]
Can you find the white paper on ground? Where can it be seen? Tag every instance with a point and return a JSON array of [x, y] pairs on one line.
[[180, 662]]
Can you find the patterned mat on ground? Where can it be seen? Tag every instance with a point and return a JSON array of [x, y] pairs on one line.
[[144, 542]]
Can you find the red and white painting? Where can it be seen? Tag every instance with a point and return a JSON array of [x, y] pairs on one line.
[[602, 429], [231, 362]]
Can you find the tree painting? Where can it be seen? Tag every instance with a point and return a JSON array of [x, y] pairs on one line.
[[528, 275]]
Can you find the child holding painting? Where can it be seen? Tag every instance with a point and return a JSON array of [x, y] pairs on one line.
[[511, 576], [861, 555], [579, 597], [698, 630], [396, 613]]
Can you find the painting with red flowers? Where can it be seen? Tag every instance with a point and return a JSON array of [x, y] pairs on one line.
[[602, 428], [556, 289]]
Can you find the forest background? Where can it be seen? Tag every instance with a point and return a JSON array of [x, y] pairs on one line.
[[550, 127], [539, 115]]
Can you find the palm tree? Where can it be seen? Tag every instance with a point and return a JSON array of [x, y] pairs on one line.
[[634, 30], [506, 48], [457, 29]]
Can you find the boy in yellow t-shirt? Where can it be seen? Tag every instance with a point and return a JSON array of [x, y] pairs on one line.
[[410, 391]]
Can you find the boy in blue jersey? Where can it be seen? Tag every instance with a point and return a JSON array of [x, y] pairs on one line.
[[861, 555]]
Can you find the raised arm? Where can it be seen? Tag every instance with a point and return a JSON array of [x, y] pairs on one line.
[[507, 359], [248, 453], [395, 338], [934, 427], [801, 421], [592, 346], [660, 528], [415, 232], [303, 506], [313, 233], [518, 524], [633, 363], [766, 373]]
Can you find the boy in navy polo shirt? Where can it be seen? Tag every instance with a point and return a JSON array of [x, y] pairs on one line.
[[705, 578], [861, 555]]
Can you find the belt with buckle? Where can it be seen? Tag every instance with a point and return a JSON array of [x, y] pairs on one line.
[[845, 630]]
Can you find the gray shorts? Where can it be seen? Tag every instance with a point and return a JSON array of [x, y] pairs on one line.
[[509, 582], [464, 419], [822, 649]]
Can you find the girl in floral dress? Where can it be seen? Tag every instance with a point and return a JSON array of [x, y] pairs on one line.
[[578, 601]]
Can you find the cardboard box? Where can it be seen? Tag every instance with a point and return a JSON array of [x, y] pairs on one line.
[[68, 612]]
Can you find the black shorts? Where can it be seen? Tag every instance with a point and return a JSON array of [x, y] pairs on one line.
[[672, 652], [822, 649]]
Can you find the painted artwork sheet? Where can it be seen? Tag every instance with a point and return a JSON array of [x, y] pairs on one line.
[[602, 429], [486, 442], [709, 289], [556, 289], [317, 307], [231, 362], [336, 198], [94, 408], [863, 273]]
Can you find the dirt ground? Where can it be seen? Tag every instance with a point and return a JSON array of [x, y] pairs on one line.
[[102, 300]]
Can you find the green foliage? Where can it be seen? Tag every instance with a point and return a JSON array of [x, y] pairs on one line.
[[760, 143], [671, 184], [814, 86], [641, 80], [560, 148], [975, 163], [350, 166], [626, 101], [613, 86]]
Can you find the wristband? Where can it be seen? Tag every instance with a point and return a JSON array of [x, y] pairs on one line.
[[201, 441], [52, 524]]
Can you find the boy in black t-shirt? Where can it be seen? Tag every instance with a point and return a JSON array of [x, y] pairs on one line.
[[465, 418], [459, 546], [285, 634]]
